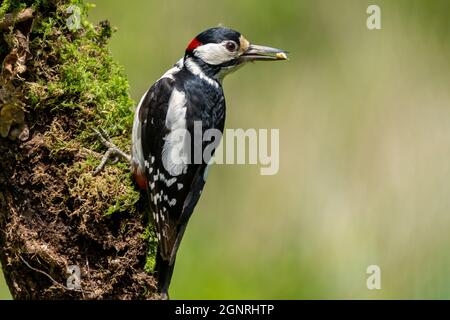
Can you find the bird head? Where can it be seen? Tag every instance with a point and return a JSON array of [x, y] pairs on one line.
[[220, 51]]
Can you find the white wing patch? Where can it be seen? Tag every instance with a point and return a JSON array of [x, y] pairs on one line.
[[175, 153], [136, 150]]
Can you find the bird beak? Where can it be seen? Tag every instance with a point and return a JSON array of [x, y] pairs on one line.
[[262, 53]]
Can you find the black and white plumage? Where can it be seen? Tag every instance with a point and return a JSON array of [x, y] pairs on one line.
[[162, 152]]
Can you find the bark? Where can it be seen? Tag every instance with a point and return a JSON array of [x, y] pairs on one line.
[[58, 83]]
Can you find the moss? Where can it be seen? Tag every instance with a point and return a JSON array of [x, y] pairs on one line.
[[73, 79], [10, 6], [150, 236], [90, 83]]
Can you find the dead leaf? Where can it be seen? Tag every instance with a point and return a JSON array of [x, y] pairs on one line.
[[9, 115], [14, 63]]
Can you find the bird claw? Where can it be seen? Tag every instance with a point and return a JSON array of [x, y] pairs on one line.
[[114, 160], [113, 153]]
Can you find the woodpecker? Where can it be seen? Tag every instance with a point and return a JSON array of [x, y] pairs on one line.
[[163, 133]]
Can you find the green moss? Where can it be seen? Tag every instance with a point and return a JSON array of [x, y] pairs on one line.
[[74, 70], [10, 6], [4, 7], [88, 77], [125, 202], [150, 235], [90, 83]]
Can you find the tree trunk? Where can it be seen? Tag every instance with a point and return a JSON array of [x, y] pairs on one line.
[[65, 233]]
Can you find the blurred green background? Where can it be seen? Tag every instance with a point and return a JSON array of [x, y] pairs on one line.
[[364, 119]]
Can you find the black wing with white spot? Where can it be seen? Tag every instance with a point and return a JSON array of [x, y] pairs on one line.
[[174, 185]]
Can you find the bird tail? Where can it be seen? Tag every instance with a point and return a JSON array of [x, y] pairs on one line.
[[164, 271]]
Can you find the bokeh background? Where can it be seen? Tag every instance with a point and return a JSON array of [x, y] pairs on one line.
[[364, 119]]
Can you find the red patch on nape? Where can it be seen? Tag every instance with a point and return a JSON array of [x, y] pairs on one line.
[[194, 44]]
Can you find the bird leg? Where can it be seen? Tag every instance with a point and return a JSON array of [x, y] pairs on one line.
[[113, 152]]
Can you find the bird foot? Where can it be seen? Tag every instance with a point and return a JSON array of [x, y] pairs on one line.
[[113, 152]]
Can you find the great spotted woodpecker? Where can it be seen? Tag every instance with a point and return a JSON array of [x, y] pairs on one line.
[[163, 133]]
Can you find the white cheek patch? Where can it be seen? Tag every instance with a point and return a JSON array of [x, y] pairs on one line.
[[214, 53]]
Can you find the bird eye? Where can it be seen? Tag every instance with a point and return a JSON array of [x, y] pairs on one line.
[[231, 46]]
